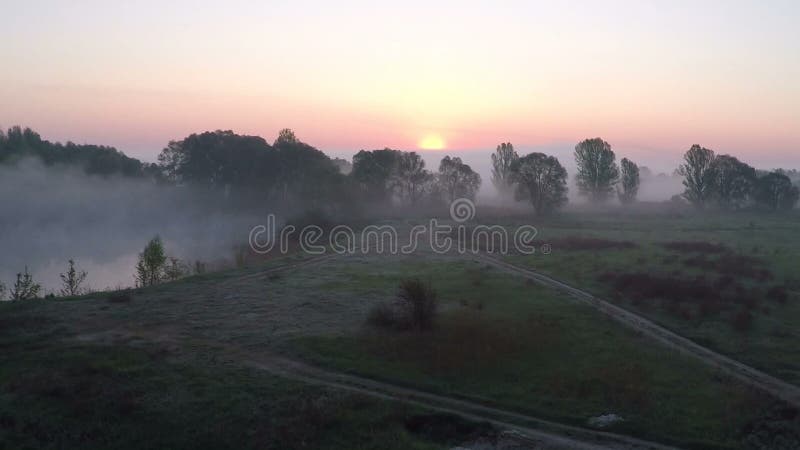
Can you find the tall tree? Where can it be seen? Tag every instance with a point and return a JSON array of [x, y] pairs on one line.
[[775, 191], [733, 181], [629, 181], [410, 178], [597, 171], [502, 160], [72, 280], [698, 173], [373, 171], [25, 288], [457, 180], [152, 261], [541, 180]]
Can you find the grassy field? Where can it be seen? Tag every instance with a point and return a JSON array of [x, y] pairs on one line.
[[729, 282], [169, 366], [525, 347]]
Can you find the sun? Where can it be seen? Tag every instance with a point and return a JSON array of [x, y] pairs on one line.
[[431, 142]]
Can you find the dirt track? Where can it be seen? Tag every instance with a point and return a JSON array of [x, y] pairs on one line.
[[753, 377], [525, 431]]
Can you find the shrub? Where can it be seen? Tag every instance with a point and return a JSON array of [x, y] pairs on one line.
[[417, 301], [415, 308], [383, 315], [72, 281], [25, 288]]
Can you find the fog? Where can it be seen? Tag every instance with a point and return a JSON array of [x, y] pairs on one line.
[[52, 214]]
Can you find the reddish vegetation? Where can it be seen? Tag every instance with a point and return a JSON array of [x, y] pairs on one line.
[[732, 264], [687, 298], [590, 243], [694, 247], [778, 294]]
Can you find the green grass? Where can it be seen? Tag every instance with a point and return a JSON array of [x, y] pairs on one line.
[[771, 343], [524, 347], [59, 389]]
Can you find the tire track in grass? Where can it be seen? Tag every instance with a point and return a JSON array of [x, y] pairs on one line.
[[780, 389]]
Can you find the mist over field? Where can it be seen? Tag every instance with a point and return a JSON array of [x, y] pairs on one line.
[[51, 214]]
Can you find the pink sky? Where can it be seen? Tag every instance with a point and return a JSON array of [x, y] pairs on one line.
[[651, 78]]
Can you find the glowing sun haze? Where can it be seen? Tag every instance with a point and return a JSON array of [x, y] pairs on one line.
[[650, 77]]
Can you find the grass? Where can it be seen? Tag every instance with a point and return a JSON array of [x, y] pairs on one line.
[[524, 347], [57, 393], [749, 260]]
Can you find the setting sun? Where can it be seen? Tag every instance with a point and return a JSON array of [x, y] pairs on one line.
[[432, 142]]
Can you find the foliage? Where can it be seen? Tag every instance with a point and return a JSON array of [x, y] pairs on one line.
[[2, 291], [19, 143], [175, 269], [373, 170], [597, 171], [24, 287], [629, 180], [457, 180], [418, 304], [151, 265], [223, 160], [698, 173], [502, 160], [72, 281], [541, 180], [775, 191], [733, 181], [410, 180]]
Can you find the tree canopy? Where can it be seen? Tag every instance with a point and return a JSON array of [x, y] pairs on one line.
[[597, 171], [541, 180]]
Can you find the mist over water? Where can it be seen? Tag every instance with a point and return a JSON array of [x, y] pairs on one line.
[[52, 214]]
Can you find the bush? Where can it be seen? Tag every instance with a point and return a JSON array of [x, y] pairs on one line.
[[417, 301], [383, 315], [414, 308]]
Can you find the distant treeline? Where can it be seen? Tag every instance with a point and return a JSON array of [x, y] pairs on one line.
[[291, 171], [18, 143]]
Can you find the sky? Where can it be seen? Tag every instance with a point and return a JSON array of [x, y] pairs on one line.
[[650, 77]]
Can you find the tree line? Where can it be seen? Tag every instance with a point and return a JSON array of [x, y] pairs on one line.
[[290, 171], [710, 180]]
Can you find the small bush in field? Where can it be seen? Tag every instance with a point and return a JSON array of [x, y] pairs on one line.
[[383, 315], [414, 308], [417, 301]]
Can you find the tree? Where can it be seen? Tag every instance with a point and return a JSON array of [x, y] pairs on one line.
[[457, 180], [175, 269], [286, 137], [776, 192], [542, 180], [25, 288], [150, 268], [2, 289], [72, 280], [410, 177], [698, 173], [502, 160], [597, 172], [373, 170], [629, 181], [732, 181]]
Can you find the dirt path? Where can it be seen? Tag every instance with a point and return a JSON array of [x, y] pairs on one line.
[[525, 431], [753, 377]]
